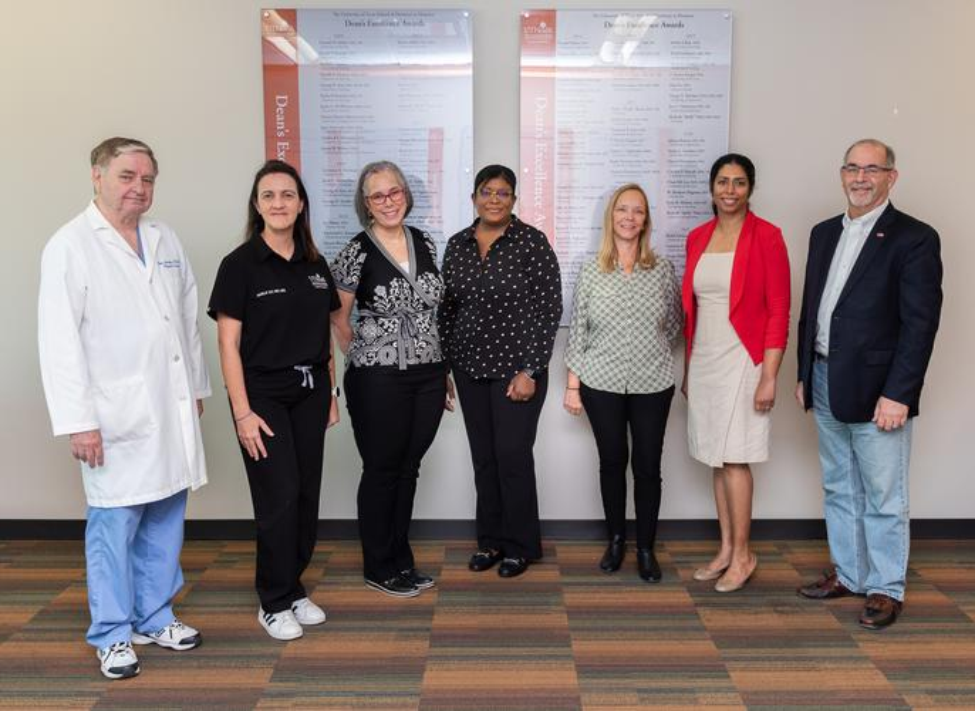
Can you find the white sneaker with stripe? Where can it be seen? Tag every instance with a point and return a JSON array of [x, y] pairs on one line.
[[280, 625]]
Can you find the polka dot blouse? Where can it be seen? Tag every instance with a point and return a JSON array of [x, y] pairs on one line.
[[500, 315]]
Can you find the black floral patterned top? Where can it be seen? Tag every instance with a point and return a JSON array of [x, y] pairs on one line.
[[500, 315], [396, 323]]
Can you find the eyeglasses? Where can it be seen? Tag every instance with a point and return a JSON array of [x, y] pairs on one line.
[[394, 195], [487, 194], [871, 170]]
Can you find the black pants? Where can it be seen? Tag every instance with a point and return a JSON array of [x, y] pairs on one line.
[[395, 415], [501, 434], [646, 416], [285, 487]]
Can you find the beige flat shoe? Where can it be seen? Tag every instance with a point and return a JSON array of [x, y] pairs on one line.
[[704, 575], [726, 585]]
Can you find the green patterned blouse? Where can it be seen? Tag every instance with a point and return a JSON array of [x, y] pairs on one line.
[[624, 328]]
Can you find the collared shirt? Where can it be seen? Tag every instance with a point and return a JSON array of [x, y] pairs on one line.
[[396, 325], [855, 233], [283, 306], [500, 314], [624, 328]]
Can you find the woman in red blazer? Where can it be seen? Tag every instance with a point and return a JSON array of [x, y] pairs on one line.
[[736, 300]]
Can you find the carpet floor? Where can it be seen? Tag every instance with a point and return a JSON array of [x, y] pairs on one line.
[[562, 636]]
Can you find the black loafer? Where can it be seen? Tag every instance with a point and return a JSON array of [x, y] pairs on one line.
[[613, 557], [420, 580], [484, 559], [648, 566], [512, 567]]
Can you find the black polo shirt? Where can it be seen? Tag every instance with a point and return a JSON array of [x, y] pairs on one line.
[[284, 306]]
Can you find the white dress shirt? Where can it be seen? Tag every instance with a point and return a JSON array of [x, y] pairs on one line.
[[855, 233]]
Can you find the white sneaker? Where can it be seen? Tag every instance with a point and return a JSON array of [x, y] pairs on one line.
[[307, 613], [175, 635], [280, 625], [119, 661]]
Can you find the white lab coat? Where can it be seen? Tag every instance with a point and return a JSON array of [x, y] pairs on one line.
[[120, 352]]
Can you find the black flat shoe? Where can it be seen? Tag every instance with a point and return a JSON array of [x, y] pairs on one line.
[[613, 557], [648, 566], [484, 560], [512, 567]]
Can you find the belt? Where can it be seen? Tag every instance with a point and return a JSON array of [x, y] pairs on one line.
[[820, 357]]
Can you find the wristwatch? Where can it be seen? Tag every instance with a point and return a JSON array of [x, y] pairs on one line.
[[530, 372], [336, 391]]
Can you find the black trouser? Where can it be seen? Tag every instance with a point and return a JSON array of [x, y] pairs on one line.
[[646, 416], [395, 415], [285, 487], [502, 436]]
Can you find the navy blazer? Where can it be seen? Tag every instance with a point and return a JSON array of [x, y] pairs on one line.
[[882, 329]]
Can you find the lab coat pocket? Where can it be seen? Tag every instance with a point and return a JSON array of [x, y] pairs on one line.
[[123, 410]]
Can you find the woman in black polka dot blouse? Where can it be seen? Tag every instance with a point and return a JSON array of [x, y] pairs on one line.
[[497, 325]]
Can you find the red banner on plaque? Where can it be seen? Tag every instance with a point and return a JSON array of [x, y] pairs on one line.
[[282, 124], [537, 201]]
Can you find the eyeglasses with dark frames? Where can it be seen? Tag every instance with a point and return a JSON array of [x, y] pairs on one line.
[[395, 195]]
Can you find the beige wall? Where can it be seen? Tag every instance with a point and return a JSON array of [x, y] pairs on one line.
[[185, 75]]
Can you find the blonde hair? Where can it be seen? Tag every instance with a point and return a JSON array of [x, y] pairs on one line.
[[607, 258]]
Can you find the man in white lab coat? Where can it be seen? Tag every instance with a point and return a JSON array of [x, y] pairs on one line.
[[124, 378]]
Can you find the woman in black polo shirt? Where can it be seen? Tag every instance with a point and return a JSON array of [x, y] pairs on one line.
[[272, 299], [498, 323], [395, 378]]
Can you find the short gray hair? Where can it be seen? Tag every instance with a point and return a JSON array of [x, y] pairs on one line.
[[111, 148], [379, 166], [891, 156]]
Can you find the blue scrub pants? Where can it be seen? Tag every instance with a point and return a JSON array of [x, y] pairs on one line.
[[132, 557]]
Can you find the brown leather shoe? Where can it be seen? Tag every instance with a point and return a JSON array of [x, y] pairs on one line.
[[880, 611], [826, 588]]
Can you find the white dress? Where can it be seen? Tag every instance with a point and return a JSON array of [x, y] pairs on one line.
[[722, 423]]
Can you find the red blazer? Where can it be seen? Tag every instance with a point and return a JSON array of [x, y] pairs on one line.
[[760, 291]]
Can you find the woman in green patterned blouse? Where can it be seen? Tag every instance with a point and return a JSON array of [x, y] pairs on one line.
[[625, 322]]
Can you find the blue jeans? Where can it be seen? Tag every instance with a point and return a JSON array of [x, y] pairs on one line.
[[865, 484], [132, 559]]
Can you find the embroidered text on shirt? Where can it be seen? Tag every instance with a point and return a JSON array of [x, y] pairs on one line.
[[318, 281]]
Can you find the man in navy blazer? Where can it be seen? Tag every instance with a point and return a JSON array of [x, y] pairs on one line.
[[870, 310]]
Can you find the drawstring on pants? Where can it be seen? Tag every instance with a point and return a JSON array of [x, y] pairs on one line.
[[307, 380]]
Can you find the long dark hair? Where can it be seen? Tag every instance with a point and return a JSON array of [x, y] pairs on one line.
[[743, 161], [255, 223]]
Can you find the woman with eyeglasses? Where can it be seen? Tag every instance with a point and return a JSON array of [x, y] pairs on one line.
[[498, 322], [736, 304], [626, 320], [395, 377]]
